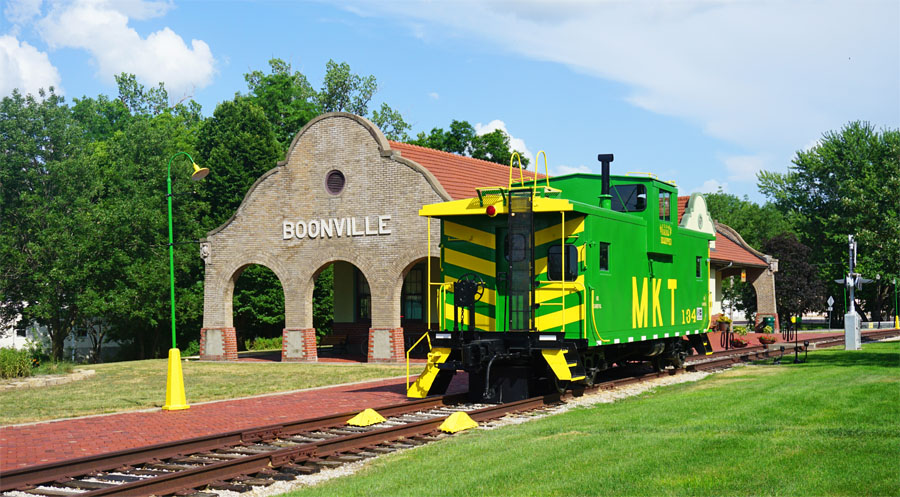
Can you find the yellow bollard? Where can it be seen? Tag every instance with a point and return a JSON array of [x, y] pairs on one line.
[[175, 399]]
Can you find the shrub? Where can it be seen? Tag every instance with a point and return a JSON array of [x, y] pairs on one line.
[[192, 348], [724, 319], [15, 363], [740, 330], [261, 343], [767, 329]]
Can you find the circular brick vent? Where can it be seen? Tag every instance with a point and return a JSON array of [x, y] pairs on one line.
[[334, 182]]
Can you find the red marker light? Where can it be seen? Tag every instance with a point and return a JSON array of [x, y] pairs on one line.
[[491, 211]]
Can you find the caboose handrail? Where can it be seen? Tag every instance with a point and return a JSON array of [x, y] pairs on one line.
[[579, 288], [546, 170], [594, 319], [515, 155]]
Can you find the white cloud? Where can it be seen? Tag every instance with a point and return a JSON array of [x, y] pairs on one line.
[[434, 95], [24, 67], [744, 167], [21, 11], [762, 75], [711, 186], [561, 170], [516, 144], [101, 28]]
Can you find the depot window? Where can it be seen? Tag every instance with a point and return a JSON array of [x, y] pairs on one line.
[[628, 198], [363, 299], [413, 294], [554, 262]]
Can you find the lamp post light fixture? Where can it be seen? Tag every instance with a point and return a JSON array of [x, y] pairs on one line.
[[175, 397]]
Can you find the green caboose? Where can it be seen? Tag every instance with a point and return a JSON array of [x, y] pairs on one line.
[[542, 286]]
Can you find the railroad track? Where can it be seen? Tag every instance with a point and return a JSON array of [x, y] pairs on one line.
[[240, 460]]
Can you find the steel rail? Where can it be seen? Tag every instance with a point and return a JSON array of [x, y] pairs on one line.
[[31, 475], [192, 478]]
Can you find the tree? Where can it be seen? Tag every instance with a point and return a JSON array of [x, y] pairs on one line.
[[344, 91], [258, 304], [461, 139], [798, 288], [47, 191], [846, 184], [741, 295], [138, 100], [755, 223], [494, 147], [286, 98], [132, 233], [391, 123], [239, 144]]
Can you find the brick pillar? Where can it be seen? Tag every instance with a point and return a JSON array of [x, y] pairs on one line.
[[299, 345], [763, 281], [386, 345], [218, 344]]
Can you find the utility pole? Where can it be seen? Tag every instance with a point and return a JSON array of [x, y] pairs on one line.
[[851, 319]]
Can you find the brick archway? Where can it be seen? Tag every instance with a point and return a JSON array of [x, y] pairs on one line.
[[294, 223]]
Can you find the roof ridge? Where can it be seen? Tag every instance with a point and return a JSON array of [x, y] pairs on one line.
[[457, 156], [734, 236]]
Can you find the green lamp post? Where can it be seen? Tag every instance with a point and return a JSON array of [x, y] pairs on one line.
[[175, 397]]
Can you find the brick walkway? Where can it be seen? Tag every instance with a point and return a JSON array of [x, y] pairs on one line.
[[41, 443]]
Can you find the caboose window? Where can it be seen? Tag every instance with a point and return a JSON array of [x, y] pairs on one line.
[[554, 262], [515, 248], [699, 266], [604, 257], [665, 200], [628, 198]]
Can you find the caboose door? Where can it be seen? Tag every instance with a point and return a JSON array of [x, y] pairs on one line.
[[519, 251]]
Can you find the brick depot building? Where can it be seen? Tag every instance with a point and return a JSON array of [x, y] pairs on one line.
[[346, 196]]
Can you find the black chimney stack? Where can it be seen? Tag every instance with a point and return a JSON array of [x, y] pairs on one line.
[[605, 197]]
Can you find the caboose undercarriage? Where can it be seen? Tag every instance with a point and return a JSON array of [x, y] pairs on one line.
[[504, 367]]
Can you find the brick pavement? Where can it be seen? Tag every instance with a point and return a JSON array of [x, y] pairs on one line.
[[41, 443]]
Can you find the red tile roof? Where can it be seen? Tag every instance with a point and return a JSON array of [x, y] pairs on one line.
[[682, 206], [459, 175], [727, 250]]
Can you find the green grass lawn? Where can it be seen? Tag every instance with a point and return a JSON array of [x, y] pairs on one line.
[[132, 385], [827, 427]]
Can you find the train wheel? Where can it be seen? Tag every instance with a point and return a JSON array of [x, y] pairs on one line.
[[560, 385], [660, 362]]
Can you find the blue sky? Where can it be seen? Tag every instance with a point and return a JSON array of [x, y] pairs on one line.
[[703, 93]]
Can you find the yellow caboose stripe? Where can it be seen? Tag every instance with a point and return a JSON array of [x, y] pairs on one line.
[[550, 291], [552, 234], [471, 235], [482, 322], [467, 261], [553, 321]]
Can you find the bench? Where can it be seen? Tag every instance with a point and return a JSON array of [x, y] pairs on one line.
[[336, 341]]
